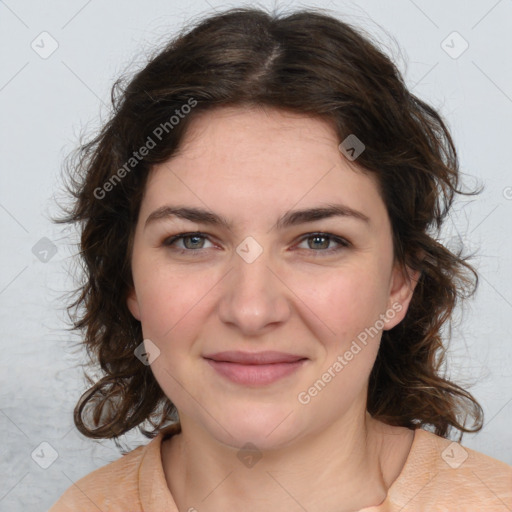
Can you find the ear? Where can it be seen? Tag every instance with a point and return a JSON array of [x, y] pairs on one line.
[[133, 304], [402, 285]]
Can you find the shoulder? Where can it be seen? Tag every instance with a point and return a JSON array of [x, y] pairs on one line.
[[112, 487], [451, 476]]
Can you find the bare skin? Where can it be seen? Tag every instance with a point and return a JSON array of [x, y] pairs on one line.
[[311, 475], [317, 450]]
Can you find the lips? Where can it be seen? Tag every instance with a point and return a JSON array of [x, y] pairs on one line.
[[268, 357], [254, 368]]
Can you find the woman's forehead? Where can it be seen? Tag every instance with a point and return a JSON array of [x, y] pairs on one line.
[[262, 148], [237, 129]]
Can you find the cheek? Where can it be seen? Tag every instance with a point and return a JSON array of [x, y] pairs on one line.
[[347, 300], [172, 315], [169, 299]]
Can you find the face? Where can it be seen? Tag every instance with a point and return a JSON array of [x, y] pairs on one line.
[[267, 322]]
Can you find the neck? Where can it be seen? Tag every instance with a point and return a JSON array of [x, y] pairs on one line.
[[345, 467]]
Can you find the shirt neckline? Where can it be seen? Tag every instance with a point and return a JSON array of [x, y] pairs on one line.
[[153, 490]]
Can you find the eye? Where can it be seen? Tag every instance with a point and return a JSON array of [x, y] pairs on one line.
[[192, 242], [321, 241]]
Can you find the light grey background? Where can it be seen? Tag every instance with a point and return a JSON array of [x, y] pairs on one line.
[[45, 103]]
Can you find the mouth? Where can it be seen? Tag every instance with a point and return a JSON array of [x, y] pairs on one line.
[[255, 368]]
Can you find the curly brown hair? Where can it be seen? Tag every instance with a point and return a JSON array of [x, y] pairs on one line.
[[306, 62]]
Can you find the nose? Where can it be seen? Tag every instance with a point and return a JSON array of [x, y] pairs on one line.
[[255, 297]]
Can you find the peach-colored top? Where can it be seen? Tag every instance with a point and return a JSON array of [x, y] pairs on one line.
[[438, 475]]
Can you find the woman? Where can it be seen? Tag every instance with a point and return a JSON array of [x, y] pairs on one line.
[[264, 285]]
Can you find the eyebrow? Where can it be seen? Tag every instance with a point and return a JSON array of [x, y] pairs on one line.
[[290, 218]]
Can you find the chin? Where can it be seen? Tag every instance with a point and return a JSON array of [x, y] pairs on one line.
[[269, 427]]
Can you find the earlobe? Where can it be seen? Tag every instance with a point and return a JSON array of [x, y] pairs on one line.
[[402, 289], [133, 304]]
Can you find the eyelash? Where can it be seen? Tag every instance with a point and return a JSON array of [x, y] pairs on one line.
[[343, 244]]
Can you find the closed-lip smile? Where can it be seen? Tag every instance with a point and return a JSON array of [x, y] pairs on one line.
[[254, 368]]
